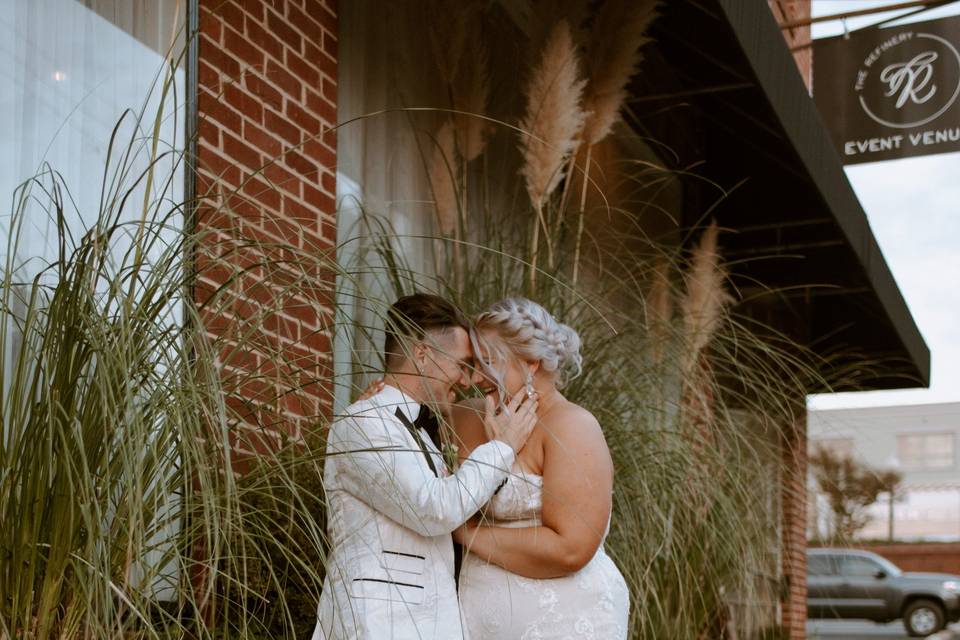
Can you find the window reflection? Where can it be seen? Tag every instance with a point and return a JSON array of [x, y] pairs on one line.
[[69, 70]]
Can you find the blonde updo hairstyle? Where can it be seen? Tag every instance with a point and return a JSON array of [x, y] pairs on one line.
[[533, 334]]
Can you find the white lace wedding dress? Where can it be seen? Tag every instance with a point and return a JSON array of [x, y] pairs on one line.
[[498, 605]]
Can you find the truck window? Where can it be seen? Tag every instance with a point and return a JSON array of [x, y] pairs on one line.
[[821, 565], [859, 567]]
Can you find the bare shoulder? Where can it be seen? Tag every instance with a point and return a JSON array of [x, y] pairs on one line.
[[574, 431], [572, 422]]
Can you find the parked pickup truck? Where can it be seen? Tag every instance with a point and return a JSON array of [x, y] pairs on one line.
[[845, 583]]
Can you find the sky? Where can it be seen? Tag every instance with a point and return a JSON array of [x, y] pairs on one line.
[[913, 206]]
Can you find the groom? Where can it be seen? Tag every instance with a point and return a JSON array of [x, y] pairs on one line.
[[391, 502]]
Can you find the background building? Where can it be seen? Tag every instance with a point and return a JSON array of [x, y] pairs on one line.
[[920, 442]]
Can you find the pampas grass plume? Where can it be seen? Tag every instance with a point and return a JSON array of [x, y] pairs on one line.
[[705, 296], [553, 116], [658, 302], [618, 34], [441, 168]]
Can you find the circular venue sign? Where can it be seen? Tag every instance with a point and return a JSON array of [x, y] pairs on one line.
[[903, 88]]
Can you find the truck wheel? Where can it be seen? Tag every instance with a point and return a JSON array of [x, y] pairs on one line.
[[923, 617]]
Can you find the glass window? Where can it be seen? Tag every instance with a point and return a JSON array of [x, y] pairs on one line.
[[821, 565], [69, 70], [380, 182], [860, 567], [427, 174], [393, 118], [926, 450]]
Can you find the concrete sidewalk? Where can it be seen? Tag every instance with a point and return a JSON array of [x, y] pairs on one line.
[[952, 632]]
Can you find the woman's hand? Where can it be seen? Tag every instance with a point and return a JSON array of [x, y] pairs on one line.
[[375, 387], [514, 423]]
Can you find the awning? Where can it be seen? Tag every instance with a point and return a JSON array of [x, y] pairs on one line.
[[720, 88]]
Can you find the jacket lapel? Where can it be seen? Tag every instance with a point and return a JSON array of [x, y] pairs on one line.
[[416, 436]]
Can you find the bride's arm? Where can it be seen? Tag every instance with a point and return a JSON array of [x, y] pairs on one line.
[[577, 485]]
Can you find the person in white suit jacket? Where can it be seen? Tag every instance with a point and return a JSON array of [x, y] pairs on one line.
[[392, 504]]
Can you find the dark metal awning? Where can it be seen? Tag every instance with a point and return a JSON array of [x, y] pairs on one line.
[[720, 88]]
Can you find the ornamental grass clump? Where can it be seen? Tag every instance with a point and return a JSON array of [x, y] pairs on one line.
[[131, 502]]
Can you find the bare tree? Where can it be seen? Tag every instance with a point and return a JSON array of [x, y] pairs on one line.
[[851, 487]]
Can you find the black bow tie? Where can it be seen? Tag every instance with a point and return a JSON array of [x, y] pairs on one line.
[[428, 421]]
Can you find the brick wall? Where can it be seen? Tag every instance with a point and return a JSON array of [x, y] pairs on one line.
[[793, 523], [935, 557], [266, 185], [798, 38]]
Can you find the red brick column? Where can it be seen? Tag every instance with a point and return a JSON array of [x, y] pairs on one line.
[[266, 187], [798, 38], [793, 523], [935, 557]]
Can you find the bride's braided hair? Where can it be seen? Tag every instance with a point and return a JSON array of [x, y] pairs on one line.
[[534, 334]]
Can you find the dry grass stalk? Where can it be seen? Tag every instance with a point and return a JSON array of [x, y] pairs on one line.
[[659, 302], [705, 296], [471, 91], [458, 48], [442, 180], [581, 213], [617, 37], [659, 305], [618, 34], [449, 28], [553, 117]]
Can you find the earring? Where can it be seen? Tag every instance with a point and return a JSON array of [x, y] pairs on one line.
[[529, 385]]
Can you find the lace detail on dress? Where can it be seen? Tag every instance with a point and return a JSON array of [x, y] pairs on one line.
[[520, 498], [591, 604], [592, 613]]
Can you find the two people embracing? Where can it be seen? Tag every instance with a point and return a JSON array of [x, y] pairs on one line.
[[506, 542]]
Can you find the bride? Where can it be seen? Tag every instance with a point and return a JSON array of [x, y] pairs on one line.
[[536, 566]]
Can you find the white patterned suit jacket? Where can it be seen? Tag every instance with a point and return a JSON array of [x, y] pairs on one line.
[[390, 569]]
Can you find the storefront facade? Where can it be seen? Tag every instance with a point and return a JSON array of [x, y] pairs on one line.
[[303, 115]]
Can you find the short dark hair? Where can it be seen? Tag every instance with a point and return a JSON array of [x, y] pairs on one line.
[[413, 316]]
